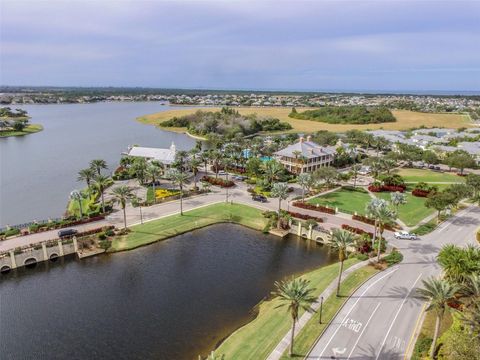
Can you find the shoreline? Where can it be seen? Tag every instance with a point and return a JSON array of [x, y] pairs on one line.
[[30, 129]]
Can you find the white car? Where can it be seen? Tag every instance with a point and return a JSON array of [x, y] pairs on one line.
[[405, 235]]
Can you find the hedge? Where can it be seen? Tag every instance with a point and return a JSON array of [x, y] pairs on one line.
[[370, 221], [308, 206], [218, 182], [356, 230], [305, 217]]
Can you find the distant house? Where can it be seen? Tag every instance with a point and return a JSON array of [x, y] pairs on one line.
[[164, 156], [305, 156]]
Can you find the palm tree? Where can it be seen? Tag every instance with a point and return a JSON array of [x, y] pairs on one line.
[[355, 169], [384, 216], [216, 156], [122, 194], [97, 165], [397, 198], [181, 157], [272, 170], [296, 294], [86, 175], [101, 182], [371, 210], [140, 167], [439, 293], [280, 191], [304, 180], [341, 241], [194, 164], [154, 171], [178, 178]]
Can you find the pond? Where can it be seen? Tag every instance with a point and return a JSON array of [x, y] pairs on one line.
[[39, 171], [174, 299]]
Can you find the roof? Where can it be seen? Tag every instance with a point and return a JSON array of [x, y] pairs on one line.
[[308, 149], [166, 156]]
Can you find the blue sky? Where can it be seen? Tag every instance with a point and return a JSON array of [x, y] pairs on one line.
[[308, 45]]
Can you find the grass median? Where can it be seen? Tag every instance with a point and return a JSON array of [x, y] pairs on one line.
[[257, 339], [173, 225]]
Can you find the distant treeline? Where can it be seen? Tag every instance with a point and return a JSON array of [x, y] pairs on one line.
[[7, 112], [355, 114], [227, 122]]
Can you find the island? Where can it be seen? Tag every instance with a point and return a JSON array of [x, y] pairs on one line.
[[16, 123]]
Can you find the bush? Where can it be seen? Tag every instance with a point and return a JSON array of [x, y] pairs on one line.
[[105, 244], [393, 258], [102, 236], [361, 257], [356, 230], [314, 207], [370, 221], [426, 228], [218, 182], [421, 347], [305, 217], [12, 232]]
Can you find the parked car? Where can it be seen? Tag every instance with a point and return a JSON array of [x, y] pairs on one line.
[[239, 177], [405, 235], [67, 232], [259, 198]]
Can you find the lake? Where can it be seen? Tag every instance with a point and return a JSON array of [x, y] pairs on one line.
[[174, 299], [38, 171]]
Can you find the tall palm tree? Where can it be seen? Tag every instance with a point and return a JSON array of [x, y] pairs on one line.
[[384, 216], [227, 163], [98, 165], [438, 292], [355, 169], [101, 182], [140, 166], [121, 195], [371, 210], [296, 294], [154, 171], [272, 170], [216, 156], [181, 157], [341, 241], [194, 164], [304, 180], [178, 178], [397, 198], [280, 191], [86, 175]]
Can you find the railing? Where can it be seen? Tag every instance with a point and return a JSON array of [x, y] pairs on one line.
[[28, 224]]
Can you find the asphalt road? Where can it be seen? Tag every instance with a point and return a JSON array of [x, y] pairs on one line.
[[377, 322]]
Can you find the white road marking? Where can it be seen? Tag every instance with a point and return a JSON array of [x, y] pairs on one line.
[[395, 318], [353, 325], [353, 306], [363, 330], [338, 351]]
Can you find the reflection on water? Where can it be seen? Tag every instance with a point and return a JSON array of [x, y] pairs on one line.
[[171, 300]]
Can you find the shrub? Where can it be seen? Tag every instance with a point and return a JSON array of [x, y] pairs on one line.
[[102, 236], [421, 347], [314, 207], [12, 232], [105, 244], [370, 221], [420, 193], [218, 182], [361, 257], [356, 230], [393, 258], [305, 216]]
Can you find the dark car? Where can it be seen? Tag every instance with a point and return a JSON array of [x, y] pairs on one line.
[[260, 198], [67, 232]]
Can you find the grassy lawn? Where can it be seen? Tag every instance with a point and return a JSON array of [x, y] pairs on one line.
[[259, 337], [176, 224], [313, 329], [419, 175], [413, 211], [405, 119], [30, 129], [346, 200]]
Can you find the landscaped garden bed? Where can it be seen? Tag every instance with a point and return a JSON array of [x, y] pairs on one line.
[[305, 216], [218, 181], [317, 207]]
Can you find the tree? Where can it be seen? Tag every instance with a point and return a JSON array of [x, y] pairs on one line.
[[355, 169], [429, 157], [458, 192], [280, 191], [98, 165], [473, 180], [460, 159], [19, 125], [341, 241], [194, 165], [86, 175], [101, 182], [439, 201], [154, 171], [304, 180], [296, 294], [459, 264], [371, 209], [140, 167], [439, 293], [272, 170], [77, 196], [178, 178], [254, 166], [397, 198], [384, 216], [181, 157], [121, 195], [216, 156], [326, 174]]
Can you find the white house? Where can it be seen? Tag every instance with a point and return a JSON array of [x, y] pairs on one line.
[[164, 156]]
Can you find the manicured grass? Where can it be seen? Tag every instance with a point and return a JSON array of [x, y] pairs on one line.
[[176, 224], [257, 339], [421, 175], [313, 329], [413, 211], [30, 129], [426, 228], [346, 200], [405, 119]]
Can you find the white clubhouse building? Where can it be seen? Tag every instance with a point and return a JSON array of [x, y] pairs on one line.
[[164, 156], [305, 156]]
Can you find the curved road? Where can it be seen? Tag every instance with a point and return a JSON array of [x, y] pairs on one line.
[[378, 321]]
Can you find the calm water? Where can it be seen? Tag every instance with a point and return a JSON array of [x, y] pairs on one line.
[[171, 300], [38, 171]]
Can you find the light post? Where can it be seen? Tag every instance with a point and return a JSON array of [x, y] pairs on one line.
[[321, 309]]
